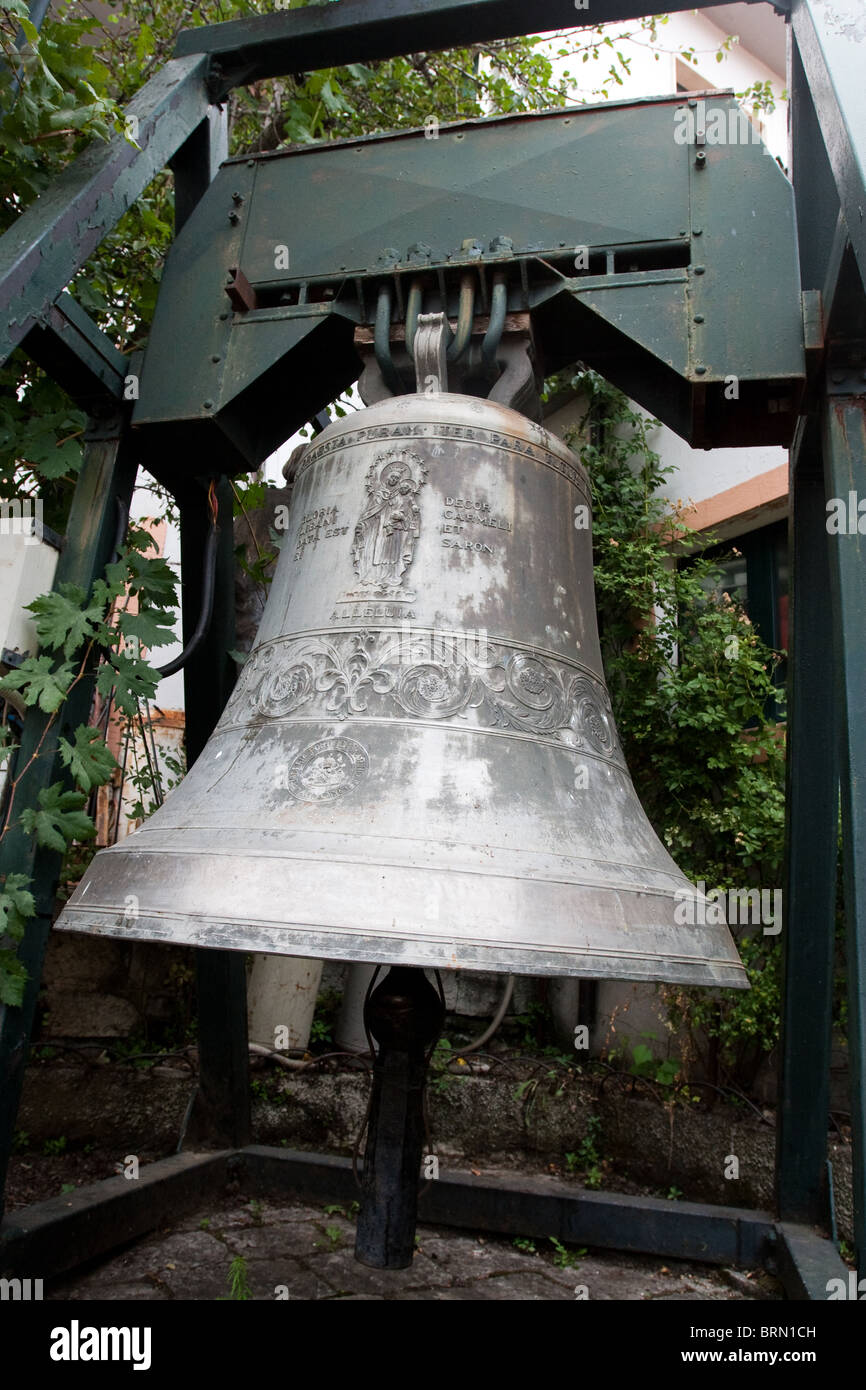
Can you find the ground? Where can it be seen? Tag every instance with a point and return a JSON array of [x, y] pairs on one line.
[[304, 1251]]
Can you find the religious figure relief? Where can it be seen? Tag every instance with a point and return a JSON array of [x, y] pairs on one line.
[[388, 528]]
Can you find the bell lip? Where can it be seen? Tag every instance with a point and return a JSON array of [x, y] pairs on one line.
[[326, 943]]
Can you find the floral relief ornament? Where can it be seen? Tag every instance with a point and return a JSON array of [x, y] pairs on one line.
[[392, 674]]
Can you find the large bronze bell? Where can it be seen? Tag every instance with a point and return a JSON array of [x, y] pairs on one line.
[[419, 763]]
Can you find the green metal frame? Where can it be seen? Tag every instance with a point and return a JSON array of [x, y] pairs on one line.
[[518, 195], [180, 123]]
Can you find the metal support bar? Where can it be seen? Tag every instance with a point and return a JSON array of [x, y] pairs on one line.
[[831, 41], [355, 31], [73, 350], [811, 851], [107, 476], [807, 1263], [197, 161], [53, 238], [221, 1113], [539, 1206], [845, 465], [49, 1238], [53, 1237]]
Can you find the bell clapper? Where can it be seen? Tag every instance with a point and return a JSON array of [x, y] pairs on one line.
[[404, 1014]]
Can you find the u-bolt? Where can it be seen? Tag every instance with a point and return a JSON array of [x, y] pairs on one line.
[[498, 306], [465, 314], [382, 342], [413, 309]]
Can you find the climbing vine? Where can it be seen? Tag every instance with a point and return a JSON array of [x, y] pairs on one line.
[[691, 683], [131, 607]]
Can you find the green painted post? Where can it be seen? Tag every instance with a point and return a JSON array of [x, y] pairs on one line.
[[221, 1113], [107, 477], [811, 847], [845, 478]]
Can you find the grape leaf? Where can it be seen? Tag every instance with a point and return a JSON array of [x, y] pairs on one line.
[[39, 682], [63, 618], [16, 905], [89, 761], [13, 978], [130, 677], [149, 627], [59, 819]]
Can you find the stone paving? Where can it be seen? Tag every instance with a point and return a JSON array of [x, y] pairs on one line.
[[304, 1251]]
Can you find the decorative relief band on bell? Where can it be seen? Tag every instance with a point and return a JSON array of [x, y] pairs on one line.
[[436, 431], [392, 674]]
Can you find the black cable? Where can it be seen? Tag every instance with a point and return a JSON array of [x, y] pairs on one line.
[[206, 613]]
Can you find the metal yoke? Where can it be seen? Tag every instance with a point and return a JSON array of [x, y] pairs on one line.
[[620, 230]]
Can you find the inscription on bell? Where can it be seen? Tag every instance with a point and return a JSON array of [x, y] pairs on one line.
[[460, 515], [320, 524]]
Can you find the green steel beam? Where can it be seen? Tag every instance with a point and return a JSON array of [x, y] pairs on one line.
[[811, 849], [53, 238], [844, 442], [70, 347], [353, 31], [221, 1112], [107, 478], [831, 43]]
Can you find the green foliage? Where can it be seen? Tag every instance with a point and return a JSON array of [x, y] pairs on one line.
[[60, 818], [644, 1063], [690, 681], [75, 629], [325, 1017], [54, 1148], [90, 763], [41, 681], [238, 1280], [731, 1036], [527, 1246], [564, 1258], [536, 1025], [587, 1158]]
